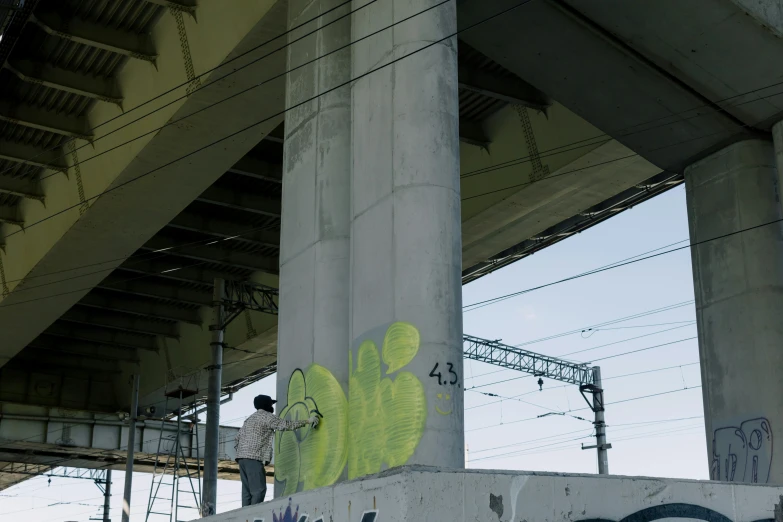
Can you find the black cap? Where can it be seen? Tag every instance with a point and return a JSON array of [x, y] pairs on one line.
[[263, 402]]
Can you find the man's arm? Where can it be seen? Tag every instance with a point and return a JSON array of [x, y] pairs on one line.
[[278, 424]]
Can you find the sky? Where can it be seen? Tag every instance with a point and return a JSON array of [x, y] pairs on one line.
[[656, 427]]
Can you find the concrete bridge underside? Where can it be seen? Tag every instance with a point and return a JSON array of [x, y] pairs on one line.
[[557, 134], [124, 280]]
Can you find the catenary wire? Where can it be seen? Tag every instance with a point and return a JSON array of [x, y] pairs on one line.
[[628, 339], [339, 86], [504, 189], [462, 30], [264, 82], [279, 113], [550, 388], [594, 360], [581, 409], [208, 71], [600, 270]]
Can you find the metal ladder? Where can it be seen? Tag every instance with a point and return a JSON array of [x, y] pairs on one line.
[[177, 466]]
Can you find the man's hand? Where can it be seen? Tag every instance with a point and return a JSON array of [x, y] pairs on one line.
[[314, 420]]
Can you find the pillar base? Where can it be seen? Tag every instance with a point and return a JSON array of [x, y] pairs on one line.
[[434, 494]]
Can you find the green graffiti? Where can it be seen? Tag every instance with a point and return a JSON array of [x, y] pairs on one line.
[[385, 417], [311, 458], [400, 346], [381, 423]]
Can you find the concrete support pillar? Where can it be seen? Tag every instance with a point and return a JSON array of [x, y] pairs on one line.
[[406, 384], [313, 336], [739, 308]]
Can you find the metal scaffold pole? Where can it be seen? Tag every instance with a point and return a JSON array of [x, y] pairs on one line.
[[134, 413], [209, 499]]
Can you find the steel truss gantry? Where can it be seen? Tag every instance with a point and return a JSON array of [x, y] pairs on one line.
[[581, 374]]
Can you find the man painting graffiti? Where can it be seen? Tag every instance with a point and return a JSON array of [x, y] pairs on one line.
[[254, 446]]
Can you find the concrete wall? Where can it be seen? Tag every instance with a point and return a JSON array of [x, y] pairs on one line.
[[738, 282], [429, 494]]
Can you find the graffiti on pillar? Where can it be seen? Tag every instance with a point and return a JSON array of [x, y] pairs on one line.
[[386, 416], [676, 510], [291, 514], [381, 422], [311, 458], [742, 453]]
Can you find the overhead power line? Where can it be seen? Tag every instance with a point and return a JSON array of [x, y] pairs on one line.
[[584, 274], [628, 339], [208, 71], [582, 409], [550, 388], [429, 45]]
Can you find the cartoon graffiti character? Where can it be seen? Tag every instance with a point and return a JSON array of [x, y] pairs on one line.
[[744, 453], [307, 456], [386, 417], [446, 410]]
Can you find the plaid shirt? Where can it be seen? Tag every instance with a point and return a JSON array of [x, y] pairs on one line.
[[257, 435]]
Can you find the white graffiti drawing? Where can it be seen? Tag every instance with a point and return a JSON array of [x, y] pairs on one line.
[[744, 453]]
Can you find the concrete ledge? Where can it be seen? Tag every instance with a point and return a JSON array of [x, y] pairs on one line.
[[415, 493]]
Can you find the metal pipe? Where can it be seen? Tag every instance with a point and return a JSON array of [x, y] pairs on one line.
[[209, 499], [126, 498], [107, 497], [71, 420], [600, 424]]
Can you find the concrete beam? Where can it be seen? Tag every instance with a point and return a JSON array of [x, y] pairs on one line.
[[177, 271], [222, 228], [11, 216], [472, 132], [509, 89], [214, 253], [139, 307], [119, 222], [34, 156], [238, 200], [149, 289], [67, 81], [47, 343], [258, 169], [119, 339], [120, 322], [33, 117], [95, 35], [21, 187], [187, 6]]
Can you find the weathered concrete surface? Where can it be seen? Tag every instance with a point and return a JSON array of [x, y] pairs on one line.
[[315, 230], [405, 244], [535, 207], [420, 493], [118, 223], [739, 302]]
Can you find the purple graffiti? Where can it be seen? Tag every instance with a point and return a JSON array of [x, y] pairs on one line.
[[288, 515], [744, 453]]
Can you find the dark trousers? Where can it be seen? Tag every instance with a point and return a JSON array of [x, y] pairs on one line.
[[253, 477]]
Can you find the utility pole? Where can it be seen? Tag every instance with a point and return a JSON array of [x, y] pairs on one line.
[[209, 500], [600, 425], [134, 413], [107, 497]]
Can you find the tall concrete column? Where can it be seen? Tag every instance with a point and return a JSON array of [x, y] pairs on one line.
[[313, 335], [406, 386], [739, 308]]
